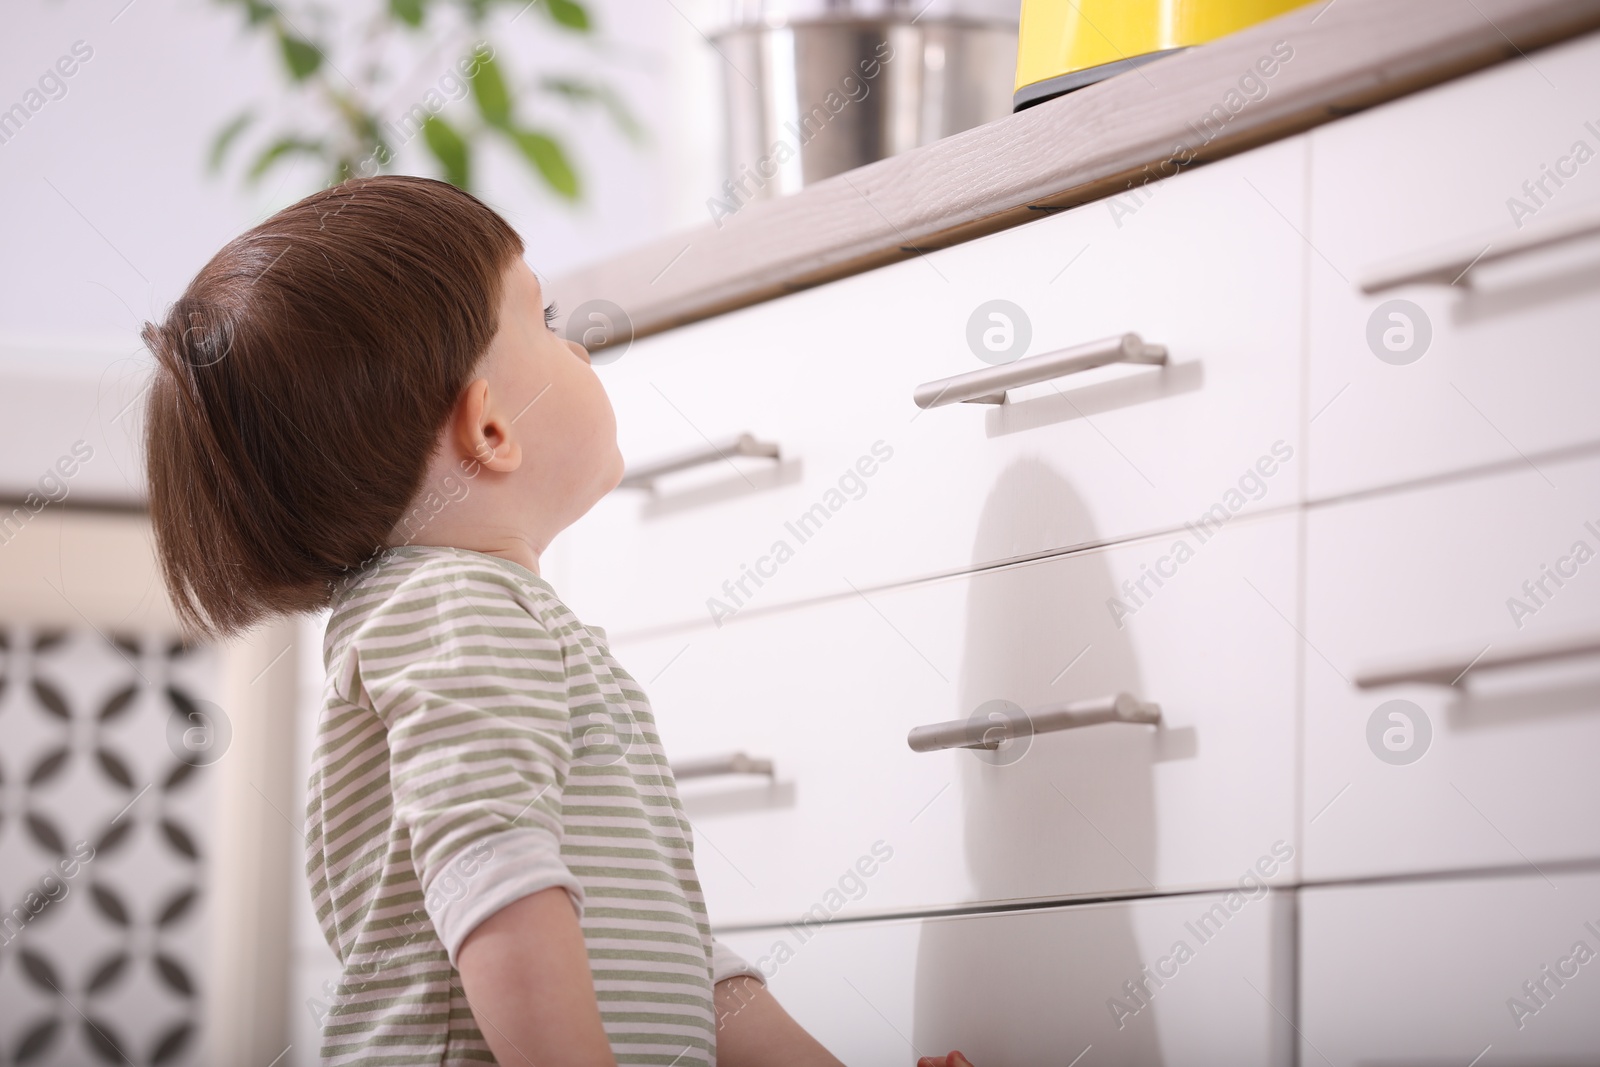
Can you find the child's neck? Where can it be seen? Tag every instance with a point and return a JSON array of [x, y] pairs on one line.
[[455, 527]]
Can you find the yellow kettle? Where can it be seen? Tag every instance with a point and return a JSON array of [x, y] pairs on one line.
[[1067, 44]]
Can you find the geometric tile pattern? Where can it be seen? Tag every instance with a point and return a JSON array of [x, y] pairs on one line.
[[106, 824]]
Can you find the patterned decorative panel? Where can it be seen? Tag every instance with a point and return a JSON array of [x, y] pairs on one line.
[[106, 819]]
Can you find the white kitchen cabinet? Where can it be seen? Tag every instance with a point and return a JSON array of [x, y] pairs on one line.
[[1484, 971], [1496, 770], [1209, 264], [1380, 680], [1500, 365], [1087, 984], [829, 691]]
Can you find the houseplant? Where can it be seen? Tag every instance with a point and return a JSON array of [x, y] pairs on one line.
[[352, 98]]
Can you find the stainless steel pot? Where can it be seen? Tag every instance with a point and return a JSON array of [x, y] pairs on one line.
[[810, 99]]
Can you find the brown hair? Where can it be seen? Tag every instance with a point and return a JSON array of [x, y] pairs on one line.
[[301, 384]]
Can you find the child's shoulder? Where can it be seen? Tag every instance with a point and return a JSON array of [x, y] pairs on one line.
[[426, 587], [426, 572]]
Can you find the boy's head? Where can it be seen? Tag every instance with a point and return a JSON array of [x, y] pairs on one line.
[[335, 372]]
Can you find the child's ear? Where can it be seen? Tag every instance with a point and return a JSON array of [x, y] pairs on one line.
[[482, 432]]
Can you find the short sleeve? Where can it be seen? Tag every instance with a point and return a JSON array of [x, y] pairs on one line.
[[472, 689], [726, 963]]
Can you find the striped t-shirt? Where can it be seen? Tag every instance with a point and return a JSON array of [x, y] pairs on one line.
[[478, 743]]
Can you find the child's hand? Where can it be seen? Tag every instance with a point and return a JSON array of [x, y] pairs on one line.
[[954, 1059]]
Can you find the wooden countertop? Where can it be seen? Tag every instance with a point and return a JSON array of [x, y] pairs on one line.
[[1347, 55]]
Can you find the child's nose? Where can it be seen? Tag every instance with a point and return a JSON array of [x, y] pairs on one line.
[[578, 350]]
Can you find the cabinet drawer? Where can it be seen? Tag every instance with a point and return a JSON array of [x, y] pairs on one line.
[[873, 489], [1508, 368], [1496, 769], [1034, 987], [829, 692], [1485, 971]]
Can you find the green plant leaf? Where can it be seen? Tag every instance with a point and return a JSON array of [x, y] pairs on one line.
[[363, 124], [280, 149], [409, 12], [299, 55], [489, 89], [569, 13], [225, 139], [368, 165], [450, 149], [577, 91], [549, 159]]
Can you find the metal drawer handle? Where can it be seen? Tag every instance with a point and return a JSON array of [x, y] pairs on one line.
[[1447, 671], [743, 445], [1458, 266], [990, 733], [988, 386], [714, 766]]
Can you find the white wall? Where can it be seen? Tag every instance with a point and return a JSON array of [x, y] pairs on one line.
[[107, 210]]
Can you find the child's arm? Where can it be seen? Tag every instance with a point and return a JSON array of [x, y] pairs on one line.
[[526, 974], [753, 1030]]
